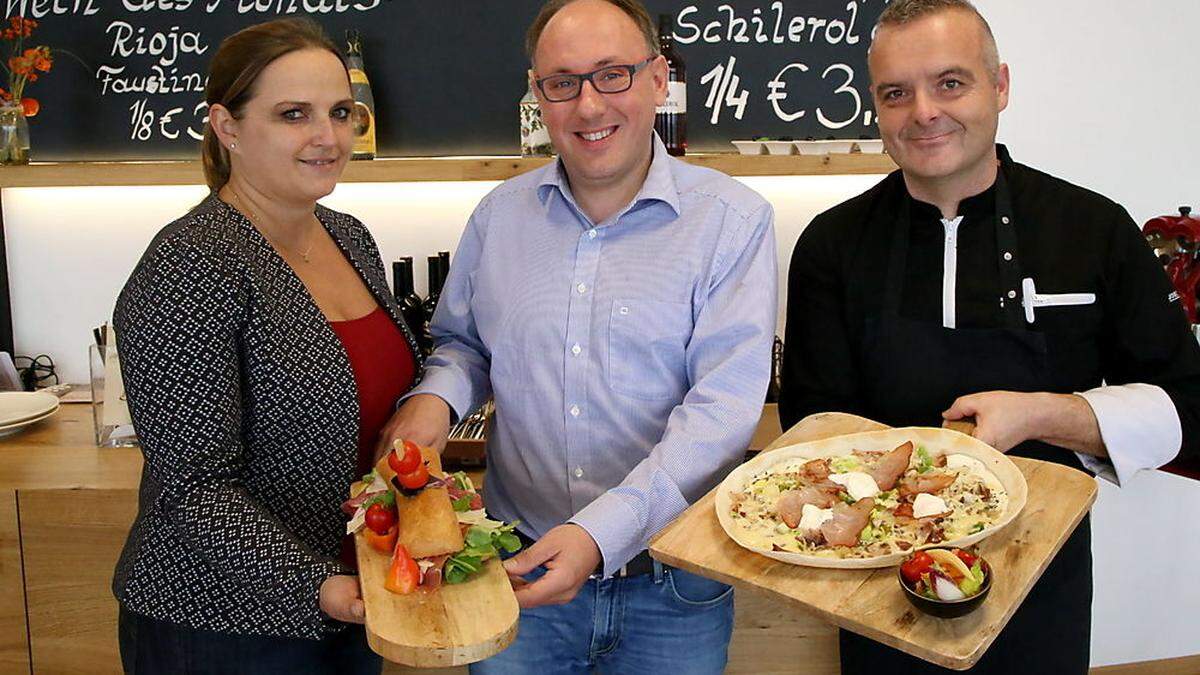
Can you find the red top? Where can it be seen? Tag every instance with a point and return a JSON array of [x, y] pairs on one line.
[[384, 368]]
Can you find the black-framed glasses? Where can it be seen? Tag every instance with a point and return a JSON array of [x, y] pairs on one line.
[[606, 80]]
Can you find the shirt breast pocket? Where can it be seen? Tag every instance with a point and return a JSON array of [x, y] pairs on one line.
[[647, 348]]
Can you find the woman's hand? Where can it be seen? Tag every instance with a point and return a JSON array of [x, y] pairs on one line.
[[341, 598]]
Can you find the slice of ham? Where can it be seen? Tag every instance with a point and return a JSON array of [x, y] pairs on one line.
[[817, 469], [790, 506], [350, 506], [891, 466], [431, 578], [457, 493], [928, 483], [848, 522]]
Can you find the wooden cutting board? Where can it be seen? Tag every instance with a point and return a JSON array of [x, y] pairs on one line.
[[455, 625], [871, 602]]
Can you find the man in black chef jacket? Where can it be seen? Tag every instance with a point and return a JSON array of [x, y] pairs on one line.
[[968, 285]]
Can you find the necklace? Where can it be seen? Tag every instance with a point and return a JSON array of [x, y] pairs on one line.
[[255, 220]]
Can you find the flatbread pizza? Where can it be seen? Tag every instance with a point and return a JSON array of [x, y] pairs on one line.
[[867, 500]]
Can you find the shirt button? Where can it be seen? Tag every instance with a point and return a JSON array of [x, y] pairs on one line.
[[575, 349], [582, 288], [1012, 294], [624, 311], [592, 233], [574, 411], [579, 472], [1007, 255], [1004, 219]]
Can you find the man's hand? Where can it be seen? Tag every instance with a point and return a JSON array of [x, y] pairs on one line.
[[424, 419], [341, 598], [570, 556], [1005, 419]]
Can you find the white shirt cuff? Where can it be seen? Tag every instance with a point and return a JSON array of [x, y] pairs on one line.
[[615, 527], [1139, 426]]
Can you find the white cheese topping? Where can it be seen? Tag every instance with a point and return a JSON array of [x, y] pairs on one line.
[[965, 462], [927, 505], [477, 517], [976, 467], [813, 517], [860, 485]]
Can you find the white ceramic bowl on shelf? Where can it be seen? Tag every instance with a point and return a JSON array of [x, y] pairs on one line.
[[780, 147], [823, 147], [869, 146], [749, 147]]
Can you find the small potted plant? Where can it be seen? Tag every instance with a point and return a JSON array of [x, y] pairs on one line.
[[24, 65]]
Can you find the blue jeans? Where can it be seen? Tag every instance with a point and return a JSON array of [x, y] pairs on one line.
[[669, 622]]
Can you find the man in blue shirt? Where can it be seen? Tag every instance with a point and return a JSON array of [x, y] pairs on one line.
[[619, 305]]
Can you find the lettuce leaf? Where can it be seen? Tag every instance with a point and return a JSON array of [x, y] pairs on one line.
[[924, 461], [483, 542]]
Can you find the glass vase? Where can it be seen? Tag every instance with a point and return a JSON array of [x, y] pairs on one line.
[[14, 135]]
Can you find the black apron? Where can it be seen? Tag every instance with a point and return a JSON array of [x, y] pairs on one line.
[[913, 371]]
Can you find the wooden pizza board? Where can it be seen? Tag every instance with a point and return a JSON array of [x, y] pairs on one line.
[[455, 625], [871, 602]]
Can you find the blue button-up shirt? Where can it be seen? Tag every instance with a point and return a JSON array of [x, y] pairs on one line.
[[628, 359]]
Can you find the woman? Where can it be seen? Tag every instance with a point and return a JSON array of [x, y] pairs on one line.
[[261, 354]]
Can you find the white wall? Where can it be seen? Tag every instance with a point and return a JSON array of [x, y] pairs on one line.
[[1104, 95]]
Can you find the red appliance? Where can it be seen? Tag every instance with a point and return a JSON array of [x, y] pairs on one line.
[[1176, 240]]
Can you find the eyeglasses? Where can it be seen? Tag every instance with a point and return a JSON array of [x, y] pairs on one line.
[[606, 80]]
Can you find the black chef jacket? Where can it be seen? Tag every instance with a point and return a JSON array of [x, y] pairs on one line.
[[1070, 240]]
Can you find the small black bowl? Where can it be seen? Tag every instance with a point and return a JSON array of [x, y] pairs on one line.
[[948, 609]]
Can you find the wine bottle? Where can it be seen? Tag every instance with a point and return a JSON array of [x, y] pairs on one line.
[[364, 101], [535, 138], [670, 120], [431, 300], [444, 259], [406, 296]]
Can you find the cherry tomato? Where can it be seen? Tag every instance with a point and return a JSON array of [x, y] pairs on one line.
[[965, 556], [416, 479], [31, 106], [919, 563], [404, 575], [380, 518], [406, 463], [384, 543]]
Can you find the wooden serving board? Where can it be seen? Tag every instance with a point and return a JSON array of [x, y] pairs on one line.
[[455, 625], [871, 602]]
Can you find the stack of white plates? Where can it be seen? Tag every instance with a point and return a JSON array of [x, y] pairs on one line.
[[19, 409]]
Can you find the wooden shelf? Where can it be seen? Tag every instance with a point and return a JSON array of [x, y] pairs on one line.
[[59, 174]]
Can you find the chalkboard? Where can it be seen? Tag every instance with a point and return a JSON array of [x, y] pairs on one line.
[[446, 74]]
